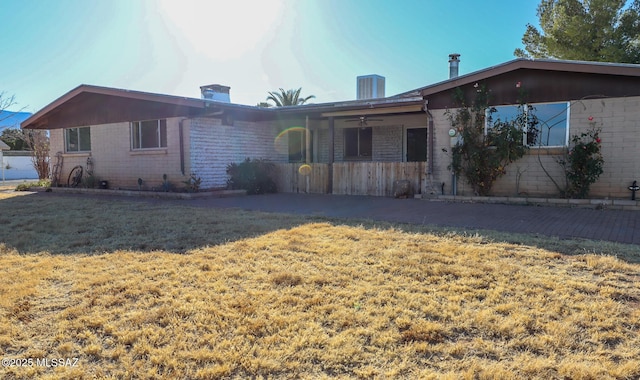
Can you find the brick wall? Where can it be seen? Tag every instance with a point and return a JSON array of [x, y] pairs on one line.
[[213, 146], [115, 161], [619, 119], [387, 143]]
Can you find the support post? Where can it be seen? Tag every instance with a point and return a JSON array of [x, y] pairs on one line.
[[331, 153], [307, 151], [307, 142]]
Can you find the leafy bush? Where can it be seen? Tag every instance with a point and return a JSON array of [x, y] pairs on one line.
[[253, 176], [26, 186], [483, 156], [582, 163], [193, 183], [91, 181]]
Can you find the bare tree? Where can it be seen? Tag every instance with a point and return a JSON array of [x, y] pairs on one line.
[[6, 102], [37, 141]]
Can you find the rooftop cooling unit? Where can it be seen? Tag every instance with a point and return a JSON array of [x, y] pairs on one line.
[[370, 87]]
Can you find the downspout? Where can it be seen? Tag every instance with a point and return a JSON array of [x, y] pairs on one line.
[[430, 145], [454, 64], [181, 135], [430, 138]]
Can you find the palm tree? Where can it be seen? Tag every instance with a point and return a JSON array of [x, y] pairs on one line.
[[288, 97]]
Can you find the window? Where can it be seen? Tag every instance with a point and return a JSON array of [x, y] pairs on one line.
[[358, 142], [149, 134], [416, 144], [298, 146], [547, 126], [77, 139]]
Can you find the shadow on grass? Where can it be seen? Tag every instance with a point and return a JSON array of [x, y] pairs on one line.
[[72, 224], [77, 224]]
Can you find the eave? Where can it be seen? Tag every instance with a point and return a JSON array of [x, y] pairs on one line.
[[603, 68]]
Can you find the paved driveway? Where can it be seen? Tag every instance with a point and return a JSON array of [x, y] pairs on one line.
[[611, 225]]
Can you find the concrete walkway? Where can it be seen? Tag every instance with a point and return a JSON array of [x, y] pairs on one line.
[[565, 222]]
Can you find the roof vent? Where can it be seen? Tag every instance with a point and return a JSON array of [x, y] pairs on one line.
[[370, 87], [454, 63], [216, 92]]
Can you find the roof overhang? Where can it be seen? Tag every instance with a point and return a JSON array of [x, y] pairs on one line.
[[628, 70], [92, 105], [539, 81]]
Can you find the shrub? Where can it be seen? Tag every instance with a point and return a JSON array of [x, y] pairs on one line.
[[91, 181], [253, 176], [482, 155], [582, 163], [26, 186], [193, 183]]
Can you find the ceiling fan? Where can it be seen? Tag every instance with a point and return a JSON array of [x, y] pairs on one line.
[[362, 120]]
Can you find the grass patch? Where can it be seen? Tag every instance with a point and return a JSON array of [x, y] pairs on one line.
[[144, 290]]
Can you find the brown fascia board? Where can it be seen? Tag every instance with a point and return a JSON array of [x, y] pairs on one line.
[[604, 68], [39, 119], [33, 122]]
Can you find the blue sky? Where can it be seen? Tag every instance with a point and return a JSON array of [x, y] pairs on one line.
[[175, 46]]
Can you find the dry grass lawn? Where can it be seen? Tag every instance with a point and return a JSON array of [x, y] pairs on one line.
[[140, 290]]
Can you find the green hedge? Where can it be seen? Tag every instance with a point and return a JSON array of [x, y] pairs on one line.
[[254, 176]]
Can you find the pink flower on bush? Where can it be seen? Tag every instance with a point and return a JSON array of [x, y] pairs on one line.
[[590, 118], [598, 140]]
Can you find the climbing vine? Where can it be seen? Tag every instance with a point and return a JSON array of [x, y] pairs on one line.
[[582, 163], [482, 154]]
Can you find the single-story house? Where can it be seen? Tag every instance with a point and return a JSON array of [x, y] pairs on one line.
[[352, 147]]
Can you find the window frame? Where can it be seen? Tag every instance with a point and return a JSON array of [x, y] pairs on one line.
[[77, 130], [358, 143], [405, 143], [532, 106], [136, 137]]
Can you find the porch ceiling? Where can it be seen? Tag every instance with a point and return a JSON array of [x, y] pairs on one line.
[[375, 111]]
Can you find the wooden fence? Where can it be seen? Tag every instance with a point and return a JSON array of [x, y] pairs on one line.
[[290, 178], [351, 178]]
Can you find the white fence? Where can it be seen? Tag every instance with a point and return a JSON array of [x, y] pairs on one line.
[[17, 165]]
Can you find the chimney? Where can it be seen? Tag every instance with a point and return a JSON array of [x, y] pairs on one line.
[[216, 92], [454, 63], [370, 87]]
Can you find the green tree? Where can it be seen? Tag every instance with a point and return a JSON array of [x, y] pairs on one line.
[[287, 98], [587, 30], [15, 138]]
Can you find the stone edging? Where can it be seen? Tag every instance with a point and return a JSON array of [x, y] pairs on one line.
[[146, 194], [614, 204]]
